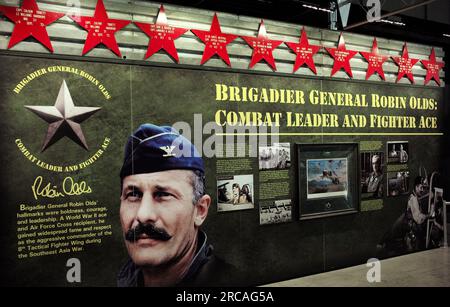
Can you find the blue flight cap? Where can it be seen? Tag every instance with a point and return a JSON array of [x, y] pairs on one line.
[[154, 148]]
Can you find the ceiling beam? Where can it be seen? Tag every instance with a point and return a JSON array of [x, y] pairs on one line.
[[404, 9]]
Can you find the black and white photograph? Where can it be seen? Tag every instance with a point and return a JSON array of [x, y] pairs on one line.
[[235, 193], [326, 178], [397, 152], [398, 183], [278, 211], [372, 175], [277, 156]]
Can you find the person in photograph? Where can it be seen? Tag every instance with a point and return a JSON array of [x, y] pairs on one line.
[[223, 195], [236, 193], [397, 184], [271, 159], [403, 155], [264, 158], [416, 217], [283, 158], [393, 153], [408, 233], [163, 205], [375, 180], [402, 177], [245, 196], [437, 228]]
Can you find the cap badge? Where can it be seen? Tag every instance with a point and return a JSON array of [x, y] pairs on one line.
[[168, 151]]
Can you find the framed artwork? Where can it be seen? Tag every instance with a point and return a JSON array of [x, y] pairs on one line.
[[328, 179]]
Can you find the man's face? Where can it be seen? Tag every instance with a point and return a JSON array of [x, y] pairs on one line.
[[163, 199], [419, 190], [376, 165]]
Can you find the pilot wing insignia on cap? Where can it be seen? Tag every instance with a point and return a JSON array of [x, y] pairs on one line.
[[168, 151]]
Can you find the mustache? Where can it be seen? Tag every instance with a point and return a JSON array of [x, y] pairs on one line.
[[133, 234]]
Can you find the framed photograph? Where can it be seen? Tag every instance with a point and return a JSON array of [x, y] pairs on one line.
[[277, 156], [275, 212], [398, 183], [327, 179], [372, 175], [397, 152], [235, 193]]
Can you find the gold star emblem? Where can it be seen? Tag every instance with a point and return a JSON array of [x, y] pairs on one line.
[[64, 119]]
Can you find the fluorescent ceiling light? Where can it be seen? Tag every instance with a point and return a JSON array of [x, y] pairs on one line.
[[397, 23], [313, 7]]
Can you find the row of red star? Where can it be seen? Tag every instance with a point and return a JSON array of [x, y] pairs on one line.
[[30, 21]]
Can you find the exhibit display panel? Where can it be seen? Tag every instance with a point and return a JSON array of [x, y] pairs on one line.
[[306, 171]]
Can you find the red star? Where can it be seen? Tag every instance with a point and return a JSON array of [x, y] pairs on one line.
[[341, 57], [304, 52], [100, 29], [405, 65], [262, 47], [432, 68], [375, 60], [215, 41], [30, 21], [162, 36]]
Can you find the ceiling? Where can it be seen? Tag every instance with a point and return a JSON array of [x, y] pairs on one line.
[[425, 24]]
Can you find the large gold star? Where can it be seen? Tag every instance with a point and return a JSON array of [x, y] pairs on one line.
[[64, 119]]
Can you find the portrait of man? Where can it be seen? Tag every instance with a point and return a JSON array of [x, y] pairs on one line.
[[374, 181], [163, 204], [408, 232]]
